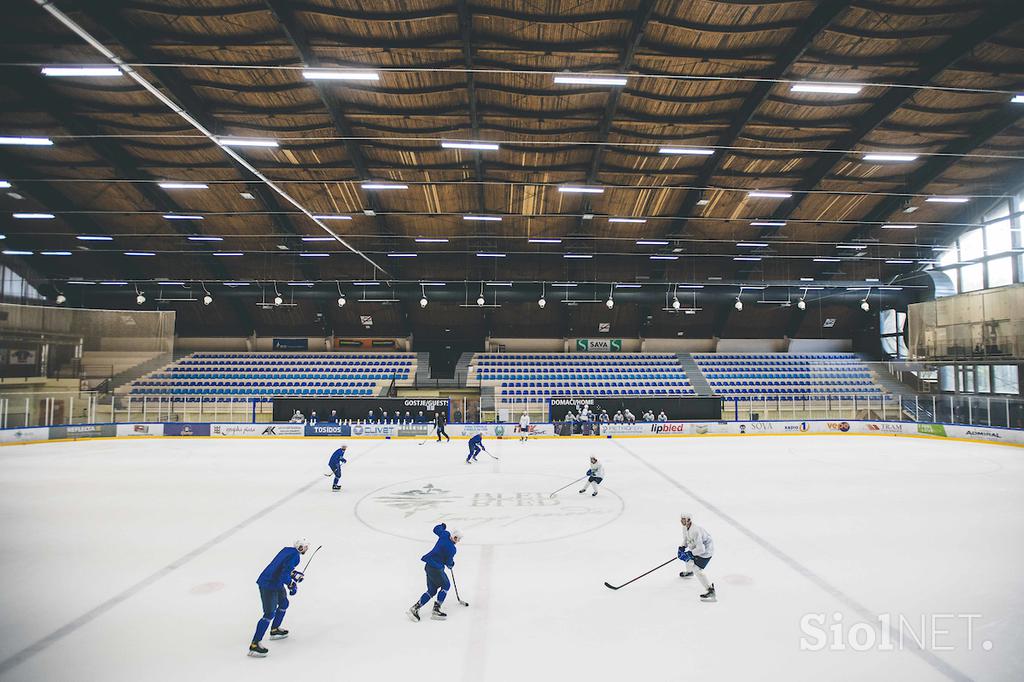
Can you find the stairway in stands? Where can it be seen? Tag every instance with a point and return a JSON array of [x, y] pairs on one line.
[[693, 373]]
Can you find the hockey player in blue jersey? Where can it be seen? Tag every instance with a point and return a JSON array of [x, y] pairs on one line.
[[476, 445], [335, 462], [279, 575], [443, 554]]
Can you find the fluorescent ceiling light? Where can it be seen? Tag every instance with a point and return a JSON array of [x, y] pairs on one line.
[[591, 80], [664, 257], [747, 258], [12, 252], [246, 142], [628, 220], [228, 253], [827, 260], [402, 255], [498, 284], [236, 284], [333, 217], [93, 238], [176, 216], [206, 239], [890, 157], [858, 288], [32, 216], [577, 255], [628, 286], [315, 255], [813, 288], [856, 247], [365, 284], [431, 240], [806, 279], [78, 281], [574, 189], [769, 195], [483, 218], [83, 71], [183, 185], [563, 284], [651, 242], [768, 223], [490, 255], [171, 284], [384, 185], [947, 200], [318, 239], [4, 184], [300, 284], [703, 202], [28, 141], [890, 288], [54, 253], [752, 245], [139, 253], [898, 226], [1018, 99], [432, 284], [480, 146], [870, 279], [899, 261], [339, 75], [114, 284], [690, 286], [689, 151], [544, 240], [830, 88]]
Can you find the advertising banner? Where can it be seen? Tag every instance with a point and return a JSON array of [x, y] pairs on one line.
[[359, 409], [140, 430], [257, 430], [186, 429], [598, 345], [29, 435], [83, 431], [290, 344], [327, 430]]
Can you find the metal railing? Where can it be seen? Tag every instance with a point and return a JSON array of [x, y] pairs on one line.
[[42, 408]]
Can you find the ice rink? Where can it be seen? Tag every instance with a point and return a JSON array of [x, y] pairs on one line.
[[137, 560]]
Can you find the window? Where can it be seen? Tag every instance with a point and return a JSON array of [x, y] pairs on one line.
[[981, 377], [14, 287], [1004, 379], [998, 234], [891, 325], [972, 245], [972, 277], [946, 379], [949, 257], [1000, 272]]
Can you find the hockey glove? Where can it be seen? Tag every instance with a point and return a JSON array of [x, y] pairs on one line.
[[590, 472], [298, 576], [684, 555]]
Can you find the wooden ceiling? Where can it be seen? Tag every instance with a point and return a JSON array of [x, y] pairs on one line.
[[937, 77]]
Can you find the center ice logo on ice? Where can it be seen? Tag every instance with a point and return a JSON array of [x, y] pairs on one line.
[[500, 508]]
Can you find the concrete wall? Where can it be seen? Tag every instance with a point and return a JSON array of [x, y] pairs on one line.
[[752, 346], [820, 345], [678, 345]]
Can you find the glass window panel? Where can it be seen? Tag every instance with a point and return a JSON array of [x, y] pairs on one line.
[[981, 379], [997, 230], [1004, 379], [946, 381], [1000, 272], [967, 379], [901, 322], [887, 321], [972, 277], [889, 345], [901, 350], [949, 257], [972, 245]]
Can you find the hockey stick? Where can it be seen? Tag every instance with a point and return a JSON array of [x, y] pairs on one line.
[[457, 597], [566, 486], [489, 453], [303, 571], [616, 587]]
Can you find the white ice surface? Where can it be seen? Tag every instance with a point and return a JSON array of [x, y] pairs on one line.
[[137, 560]]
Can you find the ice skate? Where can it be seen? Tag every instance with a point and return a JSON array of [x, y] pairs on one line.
[[709, 595], [278, 633], [414, 612], [336, 487], [593, 494], [685, 574], [257, 650], [437, 613]]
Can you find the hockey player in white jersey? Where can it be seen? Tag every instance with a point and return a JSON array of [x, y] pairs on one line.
[[524, 427], [696, 552], [595, 474]]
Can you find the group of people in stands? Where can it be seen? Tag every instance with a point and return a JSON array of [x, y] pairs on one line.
[[583, 422]]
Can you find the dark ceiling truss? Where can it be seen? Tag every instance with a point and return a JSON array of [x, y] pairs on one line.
[[798, 44]]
